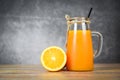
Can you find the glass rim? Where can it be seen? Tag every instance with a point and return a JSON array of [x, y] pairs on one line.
[[78, 20]]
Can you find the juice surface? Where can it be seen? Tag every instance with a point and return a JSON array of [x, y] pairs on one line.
[[79, 50]]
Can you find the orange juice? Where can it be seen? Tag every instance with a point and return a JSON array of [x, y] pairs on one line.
[[79, 50]]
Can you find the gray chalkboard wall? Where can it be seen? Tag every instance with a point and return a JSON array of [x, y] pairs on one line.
[[29, 26]]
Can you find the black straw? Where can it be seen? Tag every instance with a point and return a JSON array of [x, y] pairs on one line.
[[90, 12]]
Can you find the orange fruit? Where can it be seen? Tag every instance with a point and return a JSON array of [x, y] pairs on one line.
[[53, 58]]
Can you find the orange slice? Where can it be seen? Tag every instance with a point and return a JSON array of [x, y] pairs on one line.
[[53, 58]]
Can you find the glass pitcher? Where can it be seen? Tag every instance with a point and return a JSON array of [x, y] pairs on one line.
[[79, 48]]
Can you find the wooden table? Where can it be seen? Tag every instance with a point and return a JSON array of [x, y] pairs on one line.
[[37, 72]]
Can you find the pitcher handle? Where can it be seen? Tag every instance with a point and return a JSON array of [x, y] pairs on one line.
[[100, 43]]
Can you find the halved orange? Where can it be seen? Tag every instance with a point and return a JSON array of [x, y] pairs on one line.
[[53, 58]]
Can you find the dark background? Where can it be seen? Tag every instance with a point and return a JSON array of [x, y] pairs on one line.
[[29, 26]]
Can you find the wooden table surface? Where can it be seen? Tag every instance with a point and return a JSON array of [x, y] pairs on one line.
[[37, 72]]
